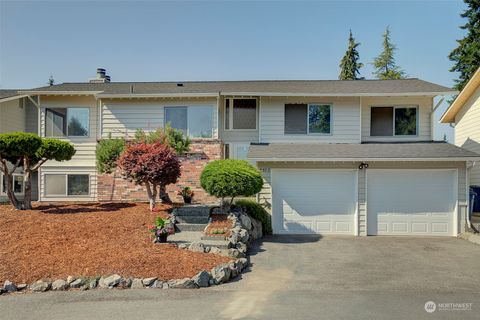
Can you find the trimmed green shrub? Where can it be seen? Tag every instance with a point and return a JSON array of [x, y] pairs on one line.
[[107, 153], [168, 135], [255, 210], [231, 178]]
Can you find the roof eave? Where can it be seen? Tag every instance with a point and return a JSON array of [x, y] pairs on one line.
[[60, 93], [309, 94], [361, 159], [15, 97], [157, 95]]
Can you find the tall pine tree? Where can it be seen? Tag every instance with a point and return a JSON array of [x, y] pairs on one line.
[[385, 65], [349, 65], [467, 55]]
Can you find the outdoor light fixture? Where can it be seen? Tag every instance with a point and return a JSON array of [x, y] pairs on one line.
[[363, 165]]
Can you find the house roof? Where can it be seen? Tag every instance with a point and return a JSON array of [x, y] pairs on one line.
[[472, 85], [413, 151], [7, 93], [256, 87]]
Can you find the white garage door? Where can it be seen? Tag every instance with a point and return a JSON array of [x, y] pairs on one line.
[[313, 201], [411, 202]]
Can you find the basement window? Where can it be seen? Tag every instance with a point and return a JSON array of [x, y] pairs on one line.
[[62, 185], [18, 184], [393, 121]]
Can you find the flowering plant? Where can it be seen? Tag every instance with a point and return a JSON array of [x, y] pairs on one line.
[[187, 194], [162, 228]]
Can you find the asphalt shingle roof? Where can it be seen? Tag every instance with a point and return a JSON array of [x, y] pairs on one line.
[[363, 151], [326, 87], [7, 93]]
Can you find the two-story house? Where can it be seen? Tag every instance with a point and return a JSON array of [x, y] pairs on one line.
[[338, 157]]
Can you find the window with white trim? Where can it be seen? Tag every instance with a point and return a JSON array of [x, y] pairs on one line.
[[393, 121], [193, 121], [308, 118], [67, 122], [240, 114], [61, 185], [18, 184]]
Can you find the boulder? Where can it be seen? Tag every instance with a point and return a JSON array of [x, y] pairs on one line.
[[126, 283], [197, 247], [148, 281], [9, 286], [59, 285], [165, 285], [137, 283], [257, 229], [185, 283], [40, 286], [246, 222], [77, 283], [70, 279], [234, 269], [243, 236], [242, 247], [215, 250], [157, 284], [22, 286], [242, 263], [201, 279], [92, 284], [221, 273], [232, 253], [112, 281], [183, 246]]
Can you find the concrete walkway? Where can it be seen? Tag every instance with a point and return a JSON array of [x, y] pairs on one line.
[[297, 278]]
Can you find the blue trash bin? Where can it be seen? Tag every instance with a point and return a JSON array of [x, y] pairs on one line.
[[474, 199]]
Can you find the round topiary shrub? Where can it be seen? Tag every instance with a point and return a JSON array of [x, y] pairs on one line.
[[231, 178]]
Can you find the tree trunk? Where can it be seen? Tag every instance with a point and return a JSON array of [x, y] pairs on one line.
[[151, 198], [163, 195], [27, 197], [9, 181]]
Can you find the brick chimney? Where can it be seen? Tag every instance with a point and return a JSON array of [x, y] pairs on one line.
[[101, 76]]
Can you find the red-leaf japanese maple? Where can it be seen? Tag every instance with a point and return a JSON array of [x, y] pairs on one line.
[[150, 164]]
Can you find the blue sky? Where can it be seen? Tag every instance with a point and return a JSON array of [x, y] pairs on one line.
[[222, 40]]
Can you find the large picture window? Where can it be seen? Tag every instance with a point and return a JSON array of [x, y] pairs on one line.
[[67, 122], [240, 114], [67, 185], [194, 121], [308, 119], [393, 121]]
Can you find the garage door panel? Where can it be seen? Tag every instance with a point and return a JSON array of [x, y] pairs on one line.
[[402, 202], [313, 201]]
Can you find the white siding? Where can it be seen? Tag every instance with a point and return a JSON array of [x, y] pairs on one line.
[[345, 125], [467, 131], [85, 146], [12, 116], [70, 170], [122, 119], [424, 123]]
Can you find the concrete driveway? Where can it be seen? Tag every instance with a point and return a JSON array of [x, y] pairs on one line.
[[298, 278]]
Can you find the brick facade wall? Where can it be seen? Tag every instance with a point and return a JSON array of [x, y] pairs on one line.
[[112, 187]]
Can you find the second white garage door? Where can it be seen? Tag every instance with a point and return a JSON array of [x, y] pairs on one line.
[[313, 201], [411, 202]]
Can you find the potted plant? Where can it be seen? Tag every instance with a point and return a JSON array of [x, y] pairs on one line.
[[187, 194], [162, 229]]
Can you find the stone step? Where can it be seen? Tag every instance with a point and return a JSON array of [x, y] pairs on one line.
[[190, 226], [192, 236], [193, 210], [192, 219]]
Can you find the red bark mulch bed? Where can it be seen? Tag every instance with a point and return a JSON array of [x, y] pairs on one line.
[[55, 241], [219, 222]]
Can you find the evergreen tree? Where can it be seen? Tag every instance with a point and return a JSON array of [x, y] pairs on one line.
[[350, 66], [467, 55], [385, 65]]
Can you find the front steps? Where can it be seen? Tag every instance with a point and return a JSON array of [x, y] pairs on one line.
[[192, 217]]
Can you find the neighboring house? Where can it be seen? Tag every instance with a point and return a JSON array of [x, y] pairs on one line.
[[338, 157], [17, 113], [464, 113]]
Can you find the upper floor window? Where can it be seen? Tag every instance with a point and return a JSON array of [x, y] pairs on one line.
[[240, 114], [393, 121], [308, 118], [67, 122], [194, 121]]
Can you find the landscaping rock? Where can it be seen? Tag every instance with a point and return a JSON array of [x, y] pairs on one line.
[[93, 284], [157, 284], [234, 269], [242, 262], [215, 250], [246, 222], [257, 229], [22, 286], [112, 281], [40, 286], [148, 281], [125, 283], [185, 283], [197, 247], [2, 291], [137, 283], [202, 279], [242, 247], [9, 286], [221, 273], [165, 285], [207, 249], [70, 279], [59, 285], [85, 287], [183, 246], [77, 283], [243, 236]]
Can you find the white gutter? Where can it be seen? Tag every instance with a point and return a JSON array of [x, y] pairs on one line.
[[65, 93], [296, 94], [158, 95], [360, 159], [13, 98]]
